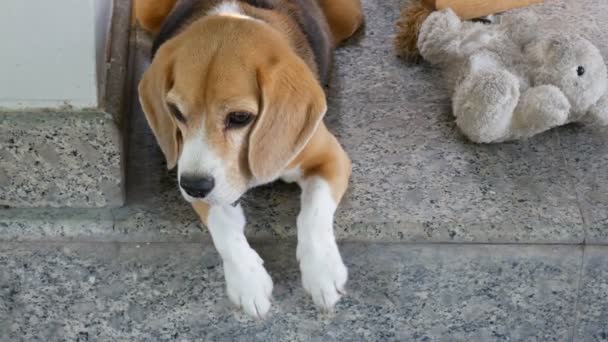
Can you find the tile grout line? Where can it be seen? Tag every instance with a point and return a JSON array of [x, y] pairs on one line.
[[207, 239], [572, 179], [578, 294]]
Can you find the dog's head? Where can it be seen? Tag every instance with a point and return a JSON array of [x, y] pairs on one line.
[[231, 104]]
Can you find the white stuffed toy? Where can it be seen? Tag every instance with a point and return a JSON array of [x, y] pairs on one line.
[[512, 80]]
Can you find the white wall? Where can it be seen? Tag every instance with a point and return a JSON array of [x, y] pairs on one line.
[[49, 52]]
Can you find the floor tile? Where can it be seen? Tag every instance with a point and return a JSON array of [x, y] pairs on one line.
[[168, 291], [592, 315], [587, 159]]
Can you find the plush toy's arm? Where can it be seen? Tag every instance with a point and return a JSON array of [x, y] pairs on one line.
[[484, 101], [489, 108], [540, 109], [438, 39], [598, 113]]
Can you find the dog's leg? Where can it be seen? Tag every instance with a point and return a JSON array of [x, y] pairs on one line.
[[248, 284], [343, 16], [323, 185]]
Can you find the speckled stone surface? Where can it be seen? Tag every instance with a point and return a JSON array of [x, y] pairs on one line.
[[57, 225], [415, 179], [584, 148], [64, 158], [175, 292], [592, 317], [589, 165], [60, 160]]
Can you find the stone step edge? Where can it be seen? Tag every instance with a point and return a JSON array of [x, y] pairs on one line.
[[113, 225]]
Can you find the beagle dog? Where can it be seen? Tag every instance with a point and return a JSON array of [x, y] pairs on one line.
[[234, 98]]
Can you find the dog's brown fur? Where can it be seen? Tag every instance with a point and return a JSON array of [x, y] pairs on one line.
[[150, 13], [269, 70]]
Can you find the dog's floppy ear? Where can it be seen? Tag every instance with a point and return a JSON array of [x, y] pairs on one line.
[[152, 13], [153, 90], [292, 106]]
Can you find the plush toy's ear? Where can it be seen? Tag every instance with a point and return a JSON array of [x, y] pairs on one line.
[[538, 51], [153, 89], [292, 106]]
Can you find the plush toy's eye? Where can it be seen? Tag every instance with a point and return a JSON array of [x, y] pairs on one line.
[[580, 70]]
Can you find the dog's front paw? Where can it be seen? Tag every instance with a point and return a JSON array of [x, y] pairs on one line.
[[323, 273], [248, 284]]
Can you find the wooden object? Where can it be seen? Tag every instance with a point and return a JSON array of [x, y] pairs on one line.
[[470, 9]]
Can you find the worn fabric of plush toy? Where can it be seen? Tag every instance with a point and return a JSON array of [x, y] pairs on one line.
[[514, 79]]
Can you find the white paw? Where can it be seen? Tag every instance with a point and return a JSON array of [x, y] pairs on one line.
[[248, 284], [323, 273]]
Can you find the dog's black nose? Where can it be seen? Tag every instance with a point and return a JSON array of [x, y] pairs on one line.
[[196, 186]]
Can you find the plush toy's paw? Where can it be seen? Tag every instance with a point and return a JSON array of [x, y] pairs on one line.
[[483, 105], [441, 22], [522, 26], [436, 33], [598, 113], [540, 109]]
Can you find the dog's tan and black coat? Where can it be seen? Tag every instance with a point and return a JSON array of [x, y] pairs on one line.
[[234, 98], [305, 13]]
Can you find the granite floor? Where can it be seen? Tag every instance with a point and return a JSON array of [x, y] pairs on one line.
[[396, 292], [505, 242], [415, 178]]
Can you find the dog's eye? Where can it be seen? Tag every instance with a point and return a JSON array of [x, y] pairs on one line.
[[238, 119], [580, 70], [176, 113]]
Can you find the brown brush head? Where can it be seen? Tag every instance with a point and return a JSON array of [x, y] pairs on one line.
[[408, 26]]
